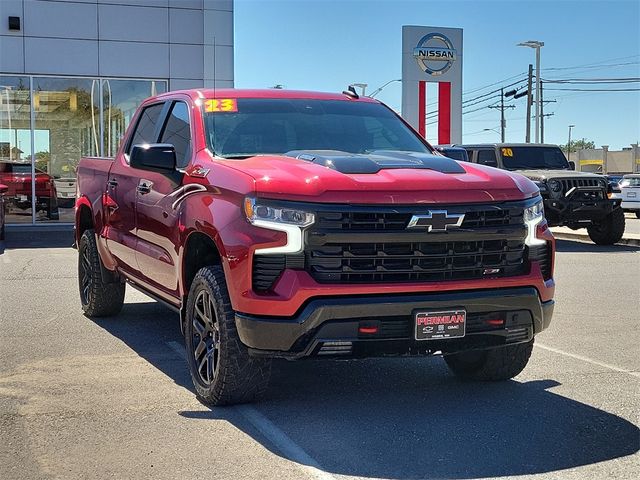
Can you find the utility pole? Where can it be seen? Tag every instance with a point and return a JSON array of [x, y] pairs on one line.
[[569, 144], [529, 101], [537, 45], [541, 114], [503, 107], [538, 90]]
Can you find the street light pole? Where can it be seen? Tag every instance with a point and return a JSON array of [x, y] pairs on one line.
[[537, 45], [569, 143], [379, 89]]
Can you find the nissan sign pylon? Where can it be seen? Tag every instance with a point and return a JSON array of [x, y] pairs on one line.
[[433, 55]]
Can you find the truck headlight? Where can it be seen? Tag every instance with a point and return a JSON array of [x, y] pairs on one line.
[[289, 220], [534, 216], [555, 185], [541, 186]]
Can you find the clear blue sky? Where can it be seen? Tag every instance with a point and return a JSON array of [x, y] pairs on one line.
[[325, 45]]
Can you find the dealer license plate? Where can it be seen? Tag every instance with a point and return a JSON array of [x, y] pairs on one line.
[[440, 325]]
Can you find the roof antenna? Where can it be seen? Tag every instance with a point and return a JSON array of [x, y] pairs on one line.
[[351, 92]]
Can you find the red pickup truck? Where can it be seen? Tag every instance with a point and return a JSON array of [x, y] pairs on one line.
[[295, 224]]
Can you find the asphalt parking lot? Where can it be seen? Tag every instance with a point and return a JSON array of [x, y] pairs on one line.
[[112, 399]]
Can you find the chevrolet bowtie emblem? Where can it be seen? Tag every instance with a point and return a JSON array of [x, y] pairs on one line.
[[436, 220]]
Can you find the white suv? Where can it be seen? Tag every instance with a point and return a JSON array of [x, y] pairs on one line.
[[630, 193]]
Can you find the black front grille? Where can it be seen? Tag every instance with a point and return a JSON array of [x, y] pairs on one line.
[[369, 244], [569, 183], [415, 262], [374, 221]]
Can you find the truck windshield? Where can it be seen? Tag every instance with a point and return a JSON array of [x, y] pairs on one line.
[[525, 158], [276, 126]]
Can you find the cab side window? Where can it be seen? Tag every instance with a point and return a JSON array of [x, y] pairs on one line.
[[470, 152], [177, 132], [146, 127], [487, 157]]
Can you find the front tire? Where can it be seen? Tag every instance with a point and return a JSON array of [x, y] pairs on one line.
[[610, 230], [495, 364], [222, 371], [98, 298]]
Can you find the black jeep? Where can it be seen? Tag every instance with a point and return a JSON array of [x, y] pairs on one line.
[[572, 199]]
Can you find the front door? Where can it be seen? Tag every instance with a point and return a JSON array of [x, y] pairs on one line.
[[120, 201], [157, 214]]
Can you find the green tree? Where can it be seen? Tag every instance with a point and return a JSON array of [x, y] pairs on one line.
[[578, 145]]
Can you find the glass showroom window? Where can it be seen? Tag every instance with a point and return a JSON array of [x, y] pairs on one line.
[[74, 117], [15, 148], [66, 128], [120, 99]]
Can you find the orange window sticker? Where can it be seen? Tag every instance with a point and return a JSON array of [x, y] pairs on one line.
[[221, 105], [507, 152]]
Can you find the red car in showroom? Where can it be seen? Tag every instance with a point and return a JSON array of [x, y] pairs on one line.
[[17, 177]]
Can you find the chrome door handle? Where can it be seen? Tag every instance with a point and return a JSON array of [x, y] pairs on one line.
[[144, 188]]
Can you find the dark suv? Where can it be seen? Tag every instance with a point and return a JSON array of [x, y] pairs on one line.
[[572, 199]]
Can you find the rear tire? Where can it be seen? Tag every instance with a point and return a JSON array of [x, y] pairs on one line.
[[496, 364], [98, 298], [610, 230], [222, 371]]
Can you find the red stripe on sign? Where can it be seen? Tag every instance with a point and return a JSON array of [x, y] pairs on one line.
[[422, 107], [444, 112]]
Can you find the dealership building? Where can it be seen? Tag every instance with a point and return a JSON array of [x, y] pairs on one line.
[[72, 73]]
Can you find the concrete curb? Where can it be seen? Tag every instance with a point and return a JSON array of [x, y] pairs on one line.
[[585, 238]]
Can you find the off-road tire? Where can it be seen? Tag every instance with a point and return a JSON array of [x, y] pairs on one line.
[[610, 230], [98, 298], [496, 364], [237, 377]]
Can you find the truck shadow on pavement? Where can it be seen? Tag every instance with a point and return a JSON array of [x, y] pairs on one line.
[[401, 418]]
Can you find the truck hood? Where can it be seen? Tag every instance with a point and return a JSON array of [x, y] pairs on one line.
[[538, 175], [380, 177]]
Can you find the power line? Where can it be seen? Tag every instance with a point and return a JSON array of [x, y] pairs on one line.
[[594, 64], [595, 89], [593, 80]]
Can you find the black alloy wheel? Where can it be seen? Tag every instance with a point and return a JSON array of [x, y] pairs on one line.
[[86, 279], [206, 337]]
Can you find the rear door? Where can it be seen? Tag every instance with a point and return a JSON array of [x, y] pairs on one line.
[[122, 188], [157, 214]]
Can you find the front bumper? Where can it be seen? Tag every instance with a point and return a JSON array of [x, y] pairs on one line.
[[630, 204], [571, 211], [330, 326]]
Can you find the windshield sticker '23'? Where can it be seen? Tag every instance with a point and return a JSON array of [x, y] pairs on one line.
[[221, 105]]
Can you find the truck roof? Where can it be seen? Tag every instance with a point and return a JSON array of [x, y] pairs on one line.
[[262, 93]]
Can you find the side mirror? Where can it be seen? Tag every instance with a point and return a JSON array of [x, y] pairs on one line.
[[3, 189], [572, 165], [160, 157]]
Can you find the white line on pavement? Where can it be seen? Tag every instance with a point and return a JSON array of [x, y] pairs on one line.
[[284, 443], [276, 436], [589, 360]]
